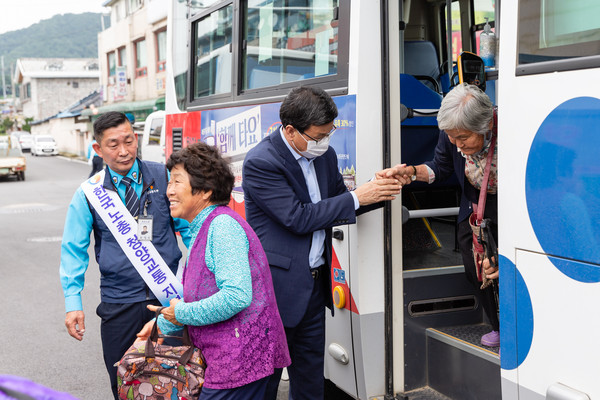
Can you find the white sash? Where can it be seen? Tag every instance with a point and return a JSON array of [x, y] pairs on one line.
[[143, 255]]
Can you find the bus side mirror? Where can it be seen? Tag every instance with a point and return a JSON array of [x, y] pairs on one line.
[[471, 70]]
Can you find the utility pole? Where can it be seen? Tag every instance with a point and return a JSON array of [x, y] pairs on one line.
[[3, 79]]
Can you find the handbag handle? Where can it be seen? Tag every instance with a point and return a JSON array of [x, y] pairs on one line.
[[185, 339]]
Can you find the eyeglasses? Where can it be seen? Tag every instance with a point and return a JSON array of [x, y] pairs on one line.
[[324, 137]]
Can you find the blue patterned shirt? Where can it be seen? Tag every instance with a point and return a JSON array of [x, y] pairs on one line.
[[226, 256]]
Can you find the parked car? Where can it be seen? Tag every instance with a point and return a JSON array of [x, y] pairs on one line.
[[153, 139], [26, 141], [12, 160], [44, 144]]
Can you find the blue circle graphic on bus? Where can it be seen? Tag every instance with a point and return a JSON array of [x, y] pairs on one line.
[[515, 303], [562, 187]]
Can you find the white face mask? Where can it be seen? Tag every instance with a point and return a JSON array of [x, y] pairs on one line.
[[314, 149]]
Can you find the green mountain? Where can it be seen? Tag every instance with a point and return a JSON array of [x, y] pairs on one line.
[[62, 36]]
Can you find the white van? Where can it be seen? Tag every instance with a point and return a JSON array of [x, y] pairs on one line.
[[153, 139]]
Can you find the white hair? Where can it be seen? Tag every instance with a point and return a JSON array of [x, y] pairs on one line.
[[466, 107]]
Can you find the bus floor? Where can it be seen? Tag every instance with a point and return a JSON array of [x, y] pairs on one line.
[[430, 243]]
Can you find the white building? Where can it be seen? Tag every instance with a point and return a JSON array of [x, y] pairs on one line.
[[132, 54], [72, 132], [46, 86]]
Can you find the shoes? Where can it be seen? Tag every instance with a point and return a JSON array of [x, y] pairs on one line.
[[491, 339]]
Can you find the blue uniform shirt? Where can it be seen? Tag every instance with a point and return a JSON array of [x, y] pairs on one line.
[[74, 258]]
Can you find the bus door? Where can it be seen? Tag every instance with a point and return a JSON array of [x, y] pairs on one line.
[[443, 317], [549, 182]]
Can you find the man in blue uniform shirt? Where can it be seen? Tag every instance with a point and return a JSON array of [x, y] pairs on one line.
[[124, 294]]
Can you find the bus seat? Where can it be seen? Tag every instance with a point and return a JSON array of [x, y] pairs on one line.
[[420, 134], [421, 61], [415, 94]]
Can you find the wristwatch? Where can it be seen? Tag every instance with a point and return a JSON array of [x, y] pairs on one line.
[[414, 175]]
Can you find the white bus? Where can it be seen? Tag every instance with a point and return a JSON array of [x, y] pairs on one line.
[[407, 323]]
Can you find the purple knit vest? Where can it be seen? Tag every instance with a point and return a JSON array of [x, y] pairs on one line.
[[249, 345]]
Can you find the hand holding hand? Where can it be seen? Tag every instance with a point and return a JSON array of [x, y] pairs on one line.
[[168, 312], [75, 323], [400, 172], [377, 190]]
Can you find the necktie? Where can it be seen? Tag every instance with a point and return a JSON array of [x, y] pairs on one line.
[[132, 201]]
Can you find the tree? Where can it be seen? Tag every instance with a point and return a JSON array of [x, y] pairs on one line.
[[6, 125], [26, 126]]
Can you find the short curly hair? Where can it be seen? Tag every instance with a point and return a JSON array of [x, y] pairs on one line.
[[207, 170]]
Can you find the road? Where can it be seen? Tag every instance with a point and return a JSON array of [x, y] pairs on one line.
[[35, 343]]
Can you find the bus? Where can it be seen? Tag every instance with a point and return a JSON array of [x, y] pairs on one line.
[[407, 324]]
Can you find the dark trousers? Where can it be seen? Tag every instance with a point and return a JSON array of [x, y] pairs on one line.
[[118, 329], [306, 343], [252, 391], [486, 296], [97, 164]]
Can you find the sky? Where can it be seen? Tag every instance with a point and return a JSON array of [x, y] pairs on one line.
[[19, 14]]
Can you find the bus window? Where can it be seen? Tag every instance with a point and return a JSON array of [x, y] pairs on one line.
[[212, 53], [483, 9], [556, 34], [457, 46], [285, 43]]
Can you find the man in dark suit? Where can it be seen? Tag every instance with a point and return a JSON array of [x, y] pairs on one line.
[[294, 195]]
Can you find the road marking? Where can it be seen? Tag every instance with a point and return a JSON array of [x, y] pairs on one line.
[[46, 239], [27, 208]]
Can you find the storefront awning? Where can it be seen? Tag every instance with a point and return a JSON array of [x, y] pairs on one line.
[[140, 109]]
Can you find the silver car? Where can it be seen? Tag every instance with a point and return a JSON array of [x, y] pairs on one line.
[[25, 139]]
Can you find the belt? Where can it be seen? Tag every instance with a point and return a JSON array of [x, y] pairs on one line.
[[317, 272]]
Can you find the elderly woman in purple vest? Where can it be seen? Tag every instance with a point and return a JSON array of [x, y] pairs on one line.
[[228, 300]]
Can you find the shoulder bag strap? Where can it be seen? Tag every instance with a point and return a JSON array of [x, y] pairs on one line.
[[479, 208]]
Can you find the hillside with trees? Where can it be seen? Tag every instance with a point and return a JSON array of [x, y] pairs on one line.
[[62, 36]]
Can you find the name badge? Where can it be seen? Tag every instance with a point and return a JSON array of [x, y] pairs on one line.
[[145, 228]]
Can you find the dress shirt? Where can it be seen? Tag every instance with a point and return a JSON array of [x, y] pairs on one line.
[[315, 257]]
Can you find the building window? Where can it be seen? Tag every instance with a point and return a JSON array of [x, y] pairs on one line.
[[134, 5], [161, 50], [75, 85], [111, 63], [122, 56], [27, 91], [141, 67]]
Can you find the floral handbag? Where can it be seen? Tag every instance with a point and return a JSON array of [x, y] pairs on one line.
[[152, 371]]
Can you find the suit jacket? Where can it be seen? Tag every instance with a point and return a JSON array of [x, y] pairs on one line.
[[279, 209], [447, 161]]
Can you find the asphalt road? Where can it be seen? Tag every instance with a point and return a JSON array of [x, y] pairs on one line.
[[34, 340], [35, 343]]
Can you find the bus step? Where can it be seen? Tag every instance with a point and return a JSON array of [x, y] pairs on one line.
[[424, 393], [471, 334], [461, 368]]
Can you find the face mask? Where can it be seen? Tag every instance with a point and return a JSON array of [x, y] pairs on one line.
[[314, 149]]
